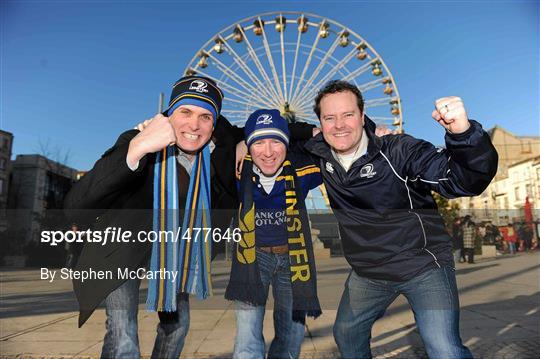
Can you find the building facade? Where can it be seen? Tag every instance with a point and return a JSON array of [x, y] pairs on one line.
[[37, 192], [517, 178], [6, 145]]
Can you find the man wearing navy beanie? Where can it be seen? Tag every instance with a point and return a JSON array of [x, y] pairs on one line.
[[273, 187], [122, 191]]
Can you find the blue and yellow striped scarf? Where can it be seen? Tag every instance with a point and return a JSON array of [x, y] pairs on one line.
[[190, 257]]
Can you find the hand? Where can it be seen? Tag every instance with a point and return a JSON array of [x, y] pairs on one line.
[[157, 134], [241, 152], [141, 126], [383, 130], [450, 113]]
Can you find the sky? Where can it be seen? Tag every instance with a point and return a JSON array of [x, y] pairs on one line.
[[76, 74]]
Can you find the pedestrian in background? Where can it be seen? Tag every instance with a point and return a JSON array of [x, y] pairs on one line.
[[74, 249], [527, 236], [492, 234], [457, 241], [510, 237], [469, 235]]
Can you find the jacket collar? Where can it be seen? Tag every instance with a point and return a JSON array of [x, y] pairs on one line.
[[320, 148]]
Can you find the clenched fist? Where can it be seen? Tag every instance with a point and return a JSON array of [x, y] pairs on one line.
[[383, 130], [450, 113], [157, 134]]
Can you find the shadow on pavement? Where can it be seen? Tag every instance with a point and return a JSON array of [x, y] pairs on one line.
[[36, 304], [491, 341], [30, 304], [473, 269]]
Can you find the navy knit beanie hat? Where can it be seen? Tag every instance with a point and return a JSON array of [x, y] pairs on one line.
[[198, 91], [265, 123]]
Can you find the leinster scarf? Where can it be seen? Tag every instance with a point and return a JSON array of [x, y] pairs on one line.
[[245, 284], [190, 254]]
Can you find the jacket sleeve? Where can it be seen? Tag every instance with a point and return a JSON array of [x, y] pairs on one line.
[[464, 168], [306, 166], [98, 188], [301, 131], [224, 131]]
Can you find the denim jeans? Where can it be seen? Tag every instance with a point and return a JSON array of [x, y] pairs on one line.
[[121, 338], [457, 255], [434, 300], [288, 335], [512, 247]]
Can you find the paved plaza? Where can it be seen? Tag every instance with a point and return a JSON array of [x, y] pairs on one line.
[[500, 317]]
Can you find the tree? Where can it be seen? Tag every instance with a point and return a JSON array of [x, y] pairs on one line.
[[448, 211]]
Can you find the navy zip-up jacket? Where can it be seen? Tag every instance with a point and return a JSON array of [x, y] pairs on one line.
[[388, 220]]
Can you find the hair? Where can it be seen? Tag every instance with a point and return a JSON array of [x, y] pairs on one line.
[[467, 220], [336, 86]]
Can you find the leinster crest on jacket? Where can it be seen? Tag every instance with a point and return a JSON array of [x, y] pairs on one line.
[[367, 171]]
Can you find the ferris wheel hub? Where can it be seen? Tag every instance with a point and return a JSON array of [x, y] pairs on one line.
[[287, 113]]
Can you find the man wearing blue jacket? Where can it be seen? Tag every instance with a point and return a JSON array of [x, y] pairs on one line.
[[393, 237]]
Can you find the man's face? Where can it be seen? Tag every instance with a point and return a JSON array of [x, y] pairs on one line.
[[268, 155], [342, 122], [193, 126]]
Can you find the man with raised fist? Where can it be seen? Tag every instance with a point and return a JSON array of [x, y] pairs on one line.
[[157, 179], [392, 235]]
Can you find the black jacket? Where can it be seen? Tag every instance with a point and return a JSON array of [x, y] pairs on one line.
[[388, 219], [111, 195]]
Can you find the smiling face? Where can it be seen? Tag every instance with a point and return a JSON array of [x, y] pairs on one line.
[[268, 155], [193, 126], [342, 122]]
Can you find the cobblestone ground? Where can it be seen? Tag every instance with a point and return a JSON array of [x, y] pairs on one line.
[[517, 349], [500, 316]]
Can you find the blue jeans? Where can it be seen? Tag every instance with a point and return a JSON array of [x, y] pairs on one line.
[[457, 255], [288, 337], [121, 338], [434, 300]]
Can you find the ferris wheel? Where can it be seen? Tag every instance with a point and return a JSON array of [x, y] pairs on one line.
[[281, 59]]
